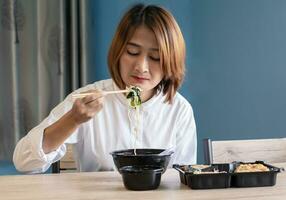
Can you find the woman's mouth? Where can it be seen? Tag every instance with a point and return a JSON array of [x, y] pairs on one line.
[[139, 79]]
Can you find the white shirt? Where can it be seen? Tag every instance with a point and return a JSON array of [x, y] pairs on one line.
[[162, 125]]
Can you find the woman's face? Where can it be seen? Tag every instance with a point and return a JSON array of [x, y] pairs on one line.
[[140, 62]]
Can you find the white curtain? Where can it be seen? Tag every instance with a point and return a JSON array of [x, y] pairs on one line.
[[42, 58]]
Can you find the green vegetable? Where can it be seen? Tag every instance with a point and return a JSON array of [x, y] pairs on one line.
[[134, 96]]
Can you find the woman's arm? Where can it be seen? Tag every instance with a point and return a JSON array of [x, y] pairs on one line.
[[42, 146], [65, 125], [82, 111]]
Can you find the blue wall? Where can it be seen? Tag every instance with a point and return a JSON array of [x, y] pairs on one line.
[[236, 62]]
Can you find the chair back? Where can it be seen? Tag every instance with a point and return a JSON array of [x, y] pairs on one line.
[[67, 163], [268, 150]]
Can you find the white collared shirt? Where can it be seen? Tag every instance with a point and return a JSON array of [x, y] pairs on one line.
[[161, 125]]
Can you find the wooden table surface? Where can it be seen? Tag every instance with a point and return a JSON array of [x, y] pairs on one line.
[[109, 185]]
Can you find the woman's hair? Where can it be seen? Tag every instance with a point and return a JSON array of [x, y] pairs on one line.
[[170, 41]]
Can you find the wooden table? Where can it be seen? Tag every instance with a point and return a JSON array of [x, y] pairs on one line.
[[109, 185]]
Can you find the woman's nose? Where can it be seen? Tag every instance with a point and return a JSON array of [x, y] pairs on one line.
[[142, 65]]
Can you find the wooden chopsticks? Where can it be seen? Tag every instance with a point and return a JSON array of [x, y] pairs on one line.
[[82, 95]]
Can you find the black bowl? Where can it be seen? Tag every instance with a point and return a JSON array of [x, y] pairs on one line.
[[143, 157], [141, 177]]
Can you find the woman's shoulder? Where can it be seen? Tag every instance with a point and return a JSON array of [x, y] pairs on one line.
[[106, 84], [180, 101], [181, 106]]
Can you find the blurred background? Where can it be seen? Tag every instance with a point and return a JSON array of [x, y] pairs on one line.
[[236, 56]]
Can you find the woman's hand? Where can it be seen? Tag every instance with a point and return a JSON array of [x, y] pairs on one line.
[[85, 108]]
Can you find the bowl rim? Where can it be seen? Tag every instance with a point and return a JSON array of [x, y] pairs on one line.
[[153, 169], [115, 153]]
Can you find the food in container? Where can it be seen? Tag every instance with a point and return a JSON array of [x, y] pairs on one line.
[[251, 167]]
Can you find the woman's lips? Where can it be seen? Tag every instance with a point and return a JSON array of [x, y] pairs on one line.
[[140, 79]]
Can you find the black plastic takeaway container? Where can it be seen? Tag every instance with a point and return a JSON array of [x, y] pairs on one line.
[[206, 180]]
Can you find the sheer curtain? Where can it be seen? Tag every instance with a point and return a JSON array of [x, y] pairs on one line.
[[42, 58]]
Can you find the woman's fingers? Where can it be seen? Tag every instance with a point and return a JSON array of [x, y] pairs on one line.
[[96, 95], [94, 102], [85, 108]]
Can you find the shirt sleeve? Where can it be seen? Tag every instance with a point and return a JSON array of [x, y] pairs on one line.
[[186, 138], [29, 156]]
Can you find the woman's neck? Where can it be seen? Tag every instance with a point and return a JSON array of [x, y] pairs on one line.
[[146, 95]]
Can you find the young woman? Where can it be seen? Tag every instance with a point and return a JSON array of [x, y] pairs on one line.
[[147, 51]]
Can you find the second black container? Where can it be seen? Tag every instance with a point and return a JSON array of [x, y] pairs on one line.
[[255, 179], [141, 177]]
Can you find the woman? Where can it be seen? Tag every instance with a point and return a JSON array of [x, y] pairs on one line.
[[147, 51]]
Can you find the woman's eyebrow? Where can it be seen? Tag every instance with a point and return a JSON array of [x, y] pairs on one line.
[[139, 46], [133, 44]]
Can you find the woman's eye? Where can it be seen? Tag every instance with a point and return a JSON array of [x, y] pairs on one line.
[[155, 58], [132, 53]]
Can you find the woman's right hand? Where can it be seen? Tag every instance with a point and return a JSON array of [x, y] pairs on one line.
[[85, 108]]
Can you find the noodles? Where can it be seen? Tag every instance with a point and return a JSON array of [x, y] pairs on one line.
[[134, 129], [134, 102]]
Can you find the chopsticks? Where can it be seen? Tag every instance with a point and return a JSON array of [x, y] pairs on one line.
[[82, 95]]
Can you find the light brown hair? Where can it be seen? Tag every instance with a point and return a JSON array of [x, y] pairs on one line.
[[170, 40]]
